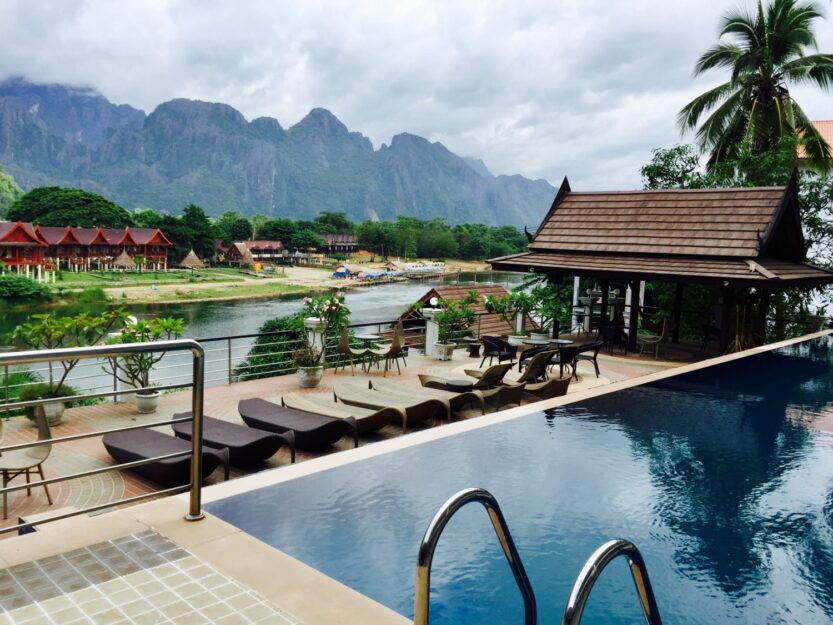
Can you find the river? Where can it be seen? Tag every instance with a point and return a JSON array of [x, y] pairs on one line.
[[223, 318]]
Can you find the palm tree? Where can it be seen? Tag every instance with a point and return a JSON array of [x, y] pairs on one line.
[[765, 53]]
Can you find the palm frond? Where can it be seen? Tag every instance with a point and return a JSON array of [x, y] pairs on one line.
[[713, 128], [721, 55], [814, 69], [691, 112]]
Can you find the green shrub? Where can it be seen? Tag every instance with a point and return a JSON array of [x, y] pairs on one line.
[[43, 390], [16, 289], [91, 295], [16, 383]]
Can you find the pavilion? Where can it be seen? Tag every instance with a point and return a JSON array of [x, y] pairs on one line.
[[736, 239]]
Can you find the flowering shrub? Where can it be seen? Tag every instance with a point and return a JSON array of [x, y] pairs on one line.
[[332, 315]]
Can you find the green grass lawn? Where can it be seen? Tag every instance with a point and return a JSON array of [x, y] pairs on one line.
[[107, 279]]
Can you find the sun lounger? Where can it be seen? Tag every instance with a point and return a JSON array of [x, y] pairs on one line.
[[414, 409], [133, 445], [311, 430], [247, 446], [367, 419], [454, 400], [548, 389]]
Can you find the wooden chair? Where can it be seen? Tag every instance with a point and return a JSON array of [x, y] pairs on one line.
[[392, 352], [349, 353], [23, 461]]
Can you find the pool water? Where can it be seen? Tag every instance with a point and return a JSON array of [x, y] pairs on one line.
[[722, 477]]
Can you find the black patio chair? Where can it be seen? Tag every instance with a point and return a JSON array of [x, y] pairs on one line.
[[566, 357], [493, 347], [590, 353], [612, 337]]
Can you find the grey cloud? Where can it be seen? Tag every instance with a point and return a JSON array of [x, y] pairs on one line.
[[541, 88]]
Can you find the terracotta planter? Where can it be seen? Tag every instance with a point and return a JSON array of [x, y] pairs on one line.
[[445, 350], [310, 377], [147, 402]]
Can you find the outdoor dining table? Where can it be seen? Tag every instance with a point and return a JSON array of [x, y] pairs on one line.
[[536, 342], [473, 344], [560, 342], [367, 339]]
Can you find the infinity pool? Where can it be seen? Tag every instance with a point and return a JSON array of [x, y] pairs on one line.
[[721, 477]]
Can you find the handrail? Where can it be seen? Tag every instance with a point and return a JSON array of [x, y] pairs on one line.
[[432, 536], [197, 385], [593, 568]]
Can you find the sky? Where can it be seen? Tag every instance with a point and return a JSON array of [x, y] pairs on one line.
[[542, 88]]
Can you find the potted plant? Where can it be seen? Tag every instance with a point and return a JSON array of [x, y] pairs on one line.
[[513, 308], [52, 411], [550, 305], [48, 331], [134, 369], [452, 318], [321, 318]]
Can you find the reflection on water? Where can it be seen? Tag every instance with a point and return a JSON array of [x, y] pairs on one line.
[[719, 476]]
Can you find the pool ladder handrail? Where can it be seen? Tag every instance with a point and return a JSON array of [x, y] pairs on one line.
[[432, 536], [583, 586], [593, 568]]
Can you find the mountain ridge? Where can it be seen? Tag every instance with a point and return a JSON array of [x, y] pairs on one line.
[[210, 154]]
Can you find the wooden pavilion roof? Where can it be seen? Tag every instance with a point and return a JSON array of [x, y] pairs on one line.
[[749, 236]]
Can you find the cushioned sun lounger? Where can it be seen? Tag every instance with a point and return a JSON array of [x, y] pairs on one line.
[[367, 419], [414, 409], [247, 446], [311, 430], [453, 400], [133, 445]]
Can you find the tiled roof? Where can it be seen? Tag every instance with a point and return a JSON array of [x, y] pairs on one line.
[[702, 222], [86, 235], [143, 236], [19, 234], [340, 239], [52, 234], [690, 269]]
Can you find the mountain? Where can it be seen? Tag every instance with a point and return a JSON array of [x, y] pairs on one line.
[[207, 153], [9, 191]]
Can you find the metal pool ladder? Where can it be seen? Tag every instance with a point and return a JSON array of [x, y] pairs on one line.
[[582, 587]]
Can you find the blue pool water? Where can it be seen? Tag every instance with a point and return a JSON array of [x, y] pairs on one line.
[[721, 477]]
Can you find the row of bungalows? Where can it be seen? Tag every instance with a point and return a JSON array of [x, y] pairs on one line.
[[46, 248]]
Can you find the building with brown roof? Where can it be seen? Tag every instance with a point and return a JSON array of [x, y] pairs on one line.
[[825, 129], [487, 324], [347, 244], [250, 252], [734, 238]]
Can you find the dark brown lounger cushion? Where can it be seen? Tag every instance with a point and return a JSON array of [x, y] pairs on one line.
[[312, 431], [247, 446], [132, 445]]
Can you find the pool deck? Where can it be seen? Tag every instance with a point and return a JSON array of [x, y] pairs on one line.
[[146, 564]]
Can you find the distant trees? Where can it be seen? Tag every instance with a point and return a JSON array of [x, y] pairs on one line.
[[232, 226], [59, 206]]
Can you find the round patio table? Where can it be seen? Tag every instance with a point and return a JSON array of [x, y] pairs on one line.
[[560, 342], [473, 344], [536, 342], [459, 386], [368, 339]]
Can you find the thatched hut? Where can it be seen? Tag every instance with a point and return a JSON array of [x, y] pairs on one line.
[[191, 261], [124, 261]]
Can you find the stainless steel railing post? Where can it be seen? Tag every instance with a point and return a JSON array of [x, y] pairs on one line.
[[197, 400], [228, 345]]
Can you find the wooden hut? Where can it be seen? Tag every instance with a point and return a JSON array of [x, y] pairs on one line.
[[731, 238], [123, 261], [192, 261]]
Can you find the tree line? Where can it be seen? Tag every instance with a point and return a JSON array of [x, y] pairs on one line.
[[194, 229]]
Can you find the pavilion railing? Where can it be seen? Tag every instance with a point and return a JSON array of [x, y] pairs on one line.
[[100, 353]]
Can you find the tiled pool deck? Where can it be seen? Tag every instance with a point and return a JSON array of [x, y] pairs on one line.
[[146, 564]]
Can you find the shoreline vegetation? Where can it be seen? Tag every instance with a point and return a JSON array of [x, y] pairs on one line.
[[206, 285]]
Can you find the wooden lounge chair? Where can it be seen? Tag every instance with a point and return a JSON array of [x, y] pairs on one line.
[[132, 445], [312, 431], [494, 347], [367, 419], [415, 409], [454, 400], [23, 461], [247, 446], [348, 353], [554, 387]]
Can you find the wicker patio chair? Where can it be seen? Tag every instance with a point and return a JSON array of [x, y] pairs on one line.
[[348, 353], [312, 431], [494, 347], [414, 409], [590, 353], [367, 419], [453, 399]]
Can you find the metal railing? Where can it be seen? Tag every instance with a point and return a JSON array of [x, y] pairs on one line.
[[593, 568], [432, 536], [197, 384]]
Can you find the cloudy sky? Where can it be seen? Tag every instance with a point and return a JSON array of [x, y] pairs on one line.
[[544, 88]]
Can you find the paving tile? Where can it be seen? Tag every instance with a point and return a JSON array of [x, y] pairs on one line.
[[107, 617], [67, 615]]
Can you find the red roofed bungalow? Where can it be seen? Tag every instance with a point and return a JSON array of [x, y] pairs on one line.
[[96, 248], [22, 248], [64, 246], [261, 251], [153, 245]]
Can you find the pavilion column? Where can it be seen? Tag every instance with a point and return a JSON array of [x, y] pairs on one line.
[[633, 316], [605, 297], [677, 312], [727, 295]]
